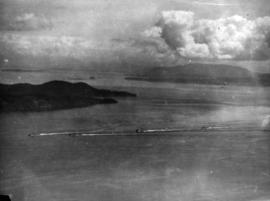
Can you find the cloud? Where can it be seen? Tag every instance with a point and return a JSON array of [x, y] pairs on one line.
[[153, 32], [213, 3], [146, 51], [137, 50], [50, 45], [29, 21], [80, 48], [233, 37]]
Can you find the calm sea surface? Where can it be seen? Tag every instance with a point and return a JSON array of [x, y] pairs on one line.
[[232, 164]]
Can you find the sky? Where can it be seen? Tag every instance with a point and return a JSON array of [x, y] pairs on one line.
[[85, 34]]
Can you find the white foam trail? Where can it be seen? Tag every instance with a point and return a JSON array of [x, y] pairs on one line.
[[165, 131]]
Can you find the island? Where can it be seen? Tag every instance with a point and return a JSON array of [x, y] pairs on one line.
[[54, 95], [212, 74]]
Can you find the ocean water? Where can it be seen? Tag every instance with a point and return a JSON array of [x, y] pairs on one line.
[[228, 164]]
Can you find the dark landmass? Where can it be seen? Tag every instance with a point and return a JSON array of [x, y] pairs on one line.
[[54, 95], [5, 198], [203, 74]]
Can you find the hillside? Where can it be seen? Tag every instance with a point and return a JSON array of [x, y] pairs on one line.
[[54, 95]]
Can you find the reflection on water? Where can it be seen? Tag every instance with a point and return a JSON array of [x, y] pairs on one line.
[[225, 166]]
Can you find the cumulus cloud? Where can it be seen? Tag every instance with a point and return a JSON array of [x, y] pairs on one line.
[[233, 37]]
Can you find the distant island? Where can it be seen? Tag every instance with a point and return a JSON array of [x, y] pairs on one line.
[[54, 95], [212, 74]]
